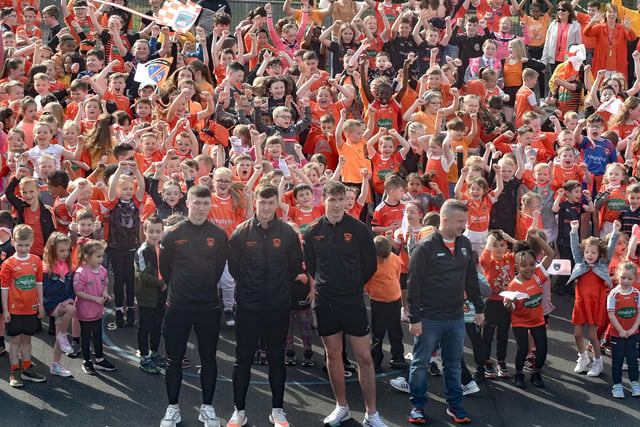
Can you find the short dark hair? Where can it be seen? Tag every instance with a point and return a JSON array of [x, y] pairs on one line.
[[301, 187], [6, 220], [58, 178], [199, 191], [121, 149], [383, 246], [97, 53], [221, 18], [153, 219], [453, 205], [334, 188], [52, 11], [571, 185], [266, 191], [235, 66]]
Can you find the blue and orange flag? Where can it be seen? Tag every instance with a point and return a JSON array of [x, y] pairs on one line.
[[154, 72]]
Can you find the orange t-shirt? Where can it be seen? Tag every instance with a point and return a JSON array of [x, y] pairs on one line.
[[625, 308], [384, 285], [528, 312], [385, 214], [382, 168], [355, 161], [524, 223], [525, 98], [32, 219], [499, 272], [478, 219], [21, 278], [223, 215], [562, 175], [303, 218]]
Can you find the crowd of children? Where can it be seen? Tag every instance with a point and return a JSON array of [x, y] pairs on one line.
[[406, 104]]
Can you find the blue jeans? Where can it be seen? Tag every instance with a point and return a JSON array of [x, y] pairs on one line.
[[449, 334], [624, 348]]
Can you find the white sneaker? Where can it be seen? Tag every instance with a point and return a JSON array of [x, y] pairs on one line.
[[278, 417], [400, 384], [617, 391], [373, 420], [582, 363], [171, 417], [63, 343], [404, 315], [470, 388], [238, 419], [596, 368], [58, 369], [339, 414], [635, 389], [208, 416]]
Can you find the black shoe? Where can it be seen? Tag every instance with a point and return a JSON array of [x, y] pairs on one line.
[[105, 365], [536, 380], [518, 381], [87, 368], [434, 370], [131, 316], [479, 376], [399, 363], [119, 318], [52, 326]]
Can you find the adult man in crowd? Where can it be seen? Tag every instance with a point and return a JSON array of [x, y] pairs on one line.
[[192, 256], [340, 255], [265, 257], [441, 270]]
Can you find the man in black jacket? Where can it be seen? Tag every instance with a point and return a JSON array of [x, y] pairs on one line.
[[192, 257], [340, 256], [441, 270], [265, 257]]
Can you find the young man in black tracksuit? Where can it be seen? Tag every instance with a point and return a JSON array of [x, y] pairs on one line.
[[265, 258], [340, 256], [192, 257]]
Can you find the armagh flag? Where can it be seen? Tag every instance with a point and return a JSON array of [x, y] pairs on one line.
[[154, 72], [178, 15]]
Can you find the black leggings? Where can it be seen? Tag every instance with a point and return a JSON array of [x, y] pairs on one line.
[[149, 328], [539, 334], [123, 276], [177, 328], [91, 330], [496, 318], [271, 327], [473, 332]]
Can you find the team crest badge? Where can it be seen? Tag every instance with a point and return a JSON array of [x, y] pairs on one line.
[[277, 243], [348, 237], [464, 251], [211, 242]]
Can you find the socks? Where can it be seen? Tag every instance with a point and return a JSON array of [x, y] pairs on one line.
[[76, 339], [26, 364], [15, 367]]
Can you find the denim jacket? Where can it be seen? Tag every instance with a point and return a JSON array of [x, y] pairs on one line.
[[600, 268]]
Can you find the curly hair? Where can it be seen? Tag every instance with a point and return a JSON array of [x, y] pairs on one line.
[[597, 242]]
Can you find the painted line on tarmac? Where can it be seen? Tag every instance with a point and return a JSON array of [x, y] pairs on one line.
[[107, 341]]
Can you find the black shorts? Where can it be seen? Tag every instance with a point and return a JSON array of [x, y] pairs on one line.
[[403, 280], [350, 319], [22, 324]]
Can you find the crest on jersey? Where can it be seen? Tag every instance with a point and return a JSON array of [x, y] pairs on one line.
[[348, 237], [277, 243], [464, 251], [211, 242]]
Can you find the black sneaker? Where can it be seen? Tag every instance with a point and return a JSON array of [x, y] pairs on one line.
[[105, 365], [87, 368], [434, 370], [399, 363], [131, 316], [518, 381], [119, 318], [307, 361], [479, 375], [536, 379], [503, 372], [290, 358], [489, 370], [75, 349]]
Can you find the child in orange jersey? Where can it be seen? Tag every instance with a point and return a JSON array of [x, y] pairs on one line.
[[440, 159], [622, 308], [384, 290], [305, 213], [388, 214], [386, 159], [22, 304], [525, 97], [529, 214], [592, 273], [479, 199], [566, 167], [611, 201], [497, 264], [526, 314]]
